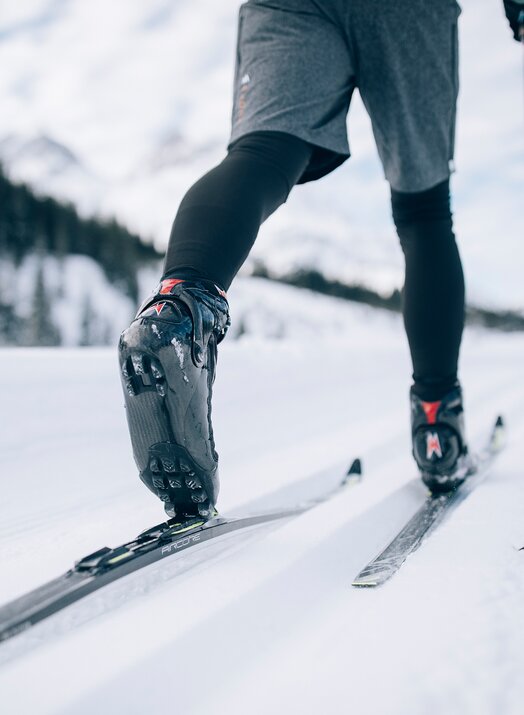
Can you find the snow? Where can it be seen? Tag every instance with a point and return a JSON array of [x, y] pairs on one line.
[[178, 350], [270, 624], [142, 102]]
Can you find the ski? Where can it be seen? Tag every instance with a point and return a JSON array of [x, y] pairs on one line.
[[428, 516], [106, 565]]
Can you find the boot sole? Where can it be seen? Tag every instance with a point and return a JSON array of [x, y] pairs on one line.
[[171, 472]]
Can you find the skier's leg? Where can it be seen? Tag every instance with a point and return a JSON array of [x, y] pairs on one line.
[[433, 296], [168, 354], [433, 308], [408, 79], [219, 217], [282, 133]]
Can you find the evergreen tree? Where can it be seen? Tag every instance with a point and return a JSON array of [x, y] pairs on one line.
[[88, 323], [30, 224], [42, 330]]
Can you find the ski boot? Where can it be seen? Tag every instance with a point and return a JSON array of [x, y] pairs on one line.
[[439, 443], [167, 363]]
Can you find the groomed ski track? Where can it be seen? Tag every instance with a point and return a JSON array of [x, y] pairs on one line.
[[271, 624]]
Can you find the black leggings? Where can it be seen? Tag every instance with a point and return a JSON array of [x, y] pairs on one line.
[[219, 218], [433, 295]]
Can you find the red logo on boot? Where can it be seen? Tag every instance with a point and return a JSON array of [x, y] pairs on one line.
[[431, 409], [167, 285], [433, 445], [158, 307]]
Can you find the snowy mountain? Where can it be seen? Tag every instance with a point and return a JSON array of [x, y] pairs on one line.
[[36, 156], [141, 113], [52, 170], [267, 624]]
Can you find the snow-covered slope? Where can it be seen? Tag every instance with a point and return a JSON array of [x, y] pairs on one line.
[[271, 625], [84, 306], [139, 94]]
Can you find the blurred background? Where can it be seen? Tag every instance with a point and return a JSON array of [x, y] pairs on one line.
[[108, 113]]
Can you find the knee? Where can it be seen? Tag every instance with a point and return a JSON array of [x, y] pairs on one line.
[[422, 208], [269, 145], [283, 154]]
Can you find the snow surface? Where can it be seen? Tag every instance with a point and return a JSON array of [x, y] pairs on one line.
[[120, 106], [269, 624]]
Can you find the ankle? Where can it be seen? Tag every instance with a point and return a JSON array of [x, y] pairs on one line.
[[191, 275], [433, 390]]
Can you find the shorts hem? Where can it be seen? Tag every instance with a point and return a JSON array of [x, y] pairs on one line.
[[325, 157], [407, 187]]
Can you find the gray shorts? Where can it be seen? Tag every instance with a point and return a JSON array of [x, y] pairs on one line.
[[298, 62]]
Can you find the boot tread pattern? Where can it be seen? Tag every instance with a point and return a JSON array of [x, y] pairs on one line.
[[170, 471]]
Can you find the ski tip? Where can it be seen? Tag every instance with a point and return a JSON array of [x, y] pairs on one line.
[[364, 584], [376, 573], [366, 579], [355, 468], [498, 435]]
